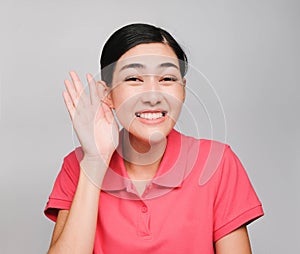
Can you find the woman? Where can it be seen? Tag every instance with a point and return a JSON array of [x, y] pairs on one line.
[[147, 188]]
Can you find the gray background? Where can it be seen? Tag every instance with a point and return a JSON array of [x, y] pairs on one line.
[[249, 50]]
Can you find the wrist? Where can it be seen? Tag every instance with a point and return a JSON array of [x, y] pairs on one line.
[[94, 169], [96, 159]]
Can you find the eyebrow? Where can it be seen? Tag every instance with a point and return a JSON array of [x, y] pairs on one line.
[[168, 64], [133, 65], [141, 66]]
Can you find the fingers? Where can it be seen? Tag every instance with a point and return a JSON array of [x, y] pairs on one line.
[[93, 91], [75, 89], [69, 104], [76, 81], [73, 95], [107, 113], [101, 89]]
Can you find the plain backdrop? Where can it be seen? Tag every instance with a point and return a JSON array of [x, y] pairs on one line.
[[248, 50]]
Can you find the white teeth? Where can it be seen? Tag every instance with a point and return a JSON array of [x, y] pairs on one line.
[[151, 115]]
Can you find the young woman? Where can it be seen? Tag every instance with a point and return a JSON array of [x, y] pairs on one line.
[[147, 188]]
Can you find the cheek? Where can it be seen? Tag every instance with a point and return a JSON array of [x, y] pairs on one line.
[[124, 105], [176, 100], [119, 95], [175, 105]]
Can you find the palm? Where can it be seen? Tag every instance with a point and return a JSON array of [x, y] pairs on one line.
[[93, 121]]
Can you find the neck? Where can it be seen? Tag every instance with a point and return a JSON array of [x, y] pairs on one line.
[[142, 158]]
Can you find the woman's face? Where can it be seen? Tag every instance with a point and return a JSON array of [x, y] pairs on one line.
[[148, 91]]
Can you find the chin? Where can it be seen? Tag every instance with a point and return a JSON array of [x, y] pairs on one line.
[[151, 135], [156, 137]]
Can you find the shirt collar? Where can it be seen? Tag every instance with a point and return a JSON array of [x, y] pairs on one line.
[[172, 170]]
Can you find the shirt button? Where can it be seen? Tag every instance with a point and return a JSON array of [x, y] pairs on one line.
[[144, 209]]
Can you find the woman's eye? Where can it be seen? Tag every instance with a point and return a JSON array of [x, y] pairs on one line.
[[168, 79], [135, 79]]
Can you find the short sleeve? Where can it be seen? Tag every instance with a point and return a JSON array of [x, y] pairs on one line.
[[65, 185], [236, 202]]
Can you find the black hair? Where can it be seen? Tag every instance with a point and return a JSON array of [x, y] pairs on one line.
[[130, 36]]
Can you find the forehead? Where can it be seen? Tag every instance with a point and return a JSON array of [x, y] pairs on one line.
[[149, 49], [150, 54]]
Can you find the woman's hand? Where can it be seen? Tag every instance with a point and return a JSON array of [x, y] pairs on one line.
[[92, 119]]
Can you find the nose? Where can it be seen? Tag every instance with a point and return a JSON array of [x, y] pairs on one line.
[[152, 97], [151, 94]]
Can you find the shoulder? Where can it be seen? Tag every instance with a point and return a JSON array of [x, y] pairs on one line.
[[205, 143], [213, 159], [221, 162], [70, 168], [207, 148]]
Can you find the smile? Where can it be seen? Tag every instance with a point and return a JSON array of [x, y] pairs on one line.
[[151, 115]]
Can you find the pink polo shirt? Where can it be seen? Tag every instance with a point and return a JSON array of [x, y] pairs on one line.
[[200, 193]]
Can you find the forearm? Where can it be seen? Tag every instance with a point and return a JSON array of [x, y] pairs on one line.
[[78, 233]]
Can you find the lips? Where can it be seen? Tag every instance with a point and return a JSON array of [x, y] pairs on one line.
[[151, 115]]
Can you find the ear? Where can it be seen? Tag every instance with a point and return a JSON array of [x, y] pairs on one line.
[[108, 100], [104, 93]]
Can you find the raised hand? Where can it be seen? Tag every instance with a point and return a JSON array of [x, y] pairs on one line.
[[92, 118]]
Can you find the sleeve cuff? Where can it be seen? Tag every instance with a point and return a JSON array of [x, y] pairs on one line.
[[54, 205], [245, 218]]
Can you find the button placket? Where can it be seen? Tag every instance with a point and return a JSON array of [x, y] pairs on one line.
[[144, 209], [143, 229]]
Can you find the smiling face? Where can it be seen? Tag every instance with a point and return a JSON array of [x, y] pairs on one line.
[[148, 91]]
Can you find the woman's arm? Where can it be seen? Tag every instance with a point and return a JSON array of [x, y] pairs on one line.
[[236, 242], [61, 219], [74, 231], [92, 120]]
